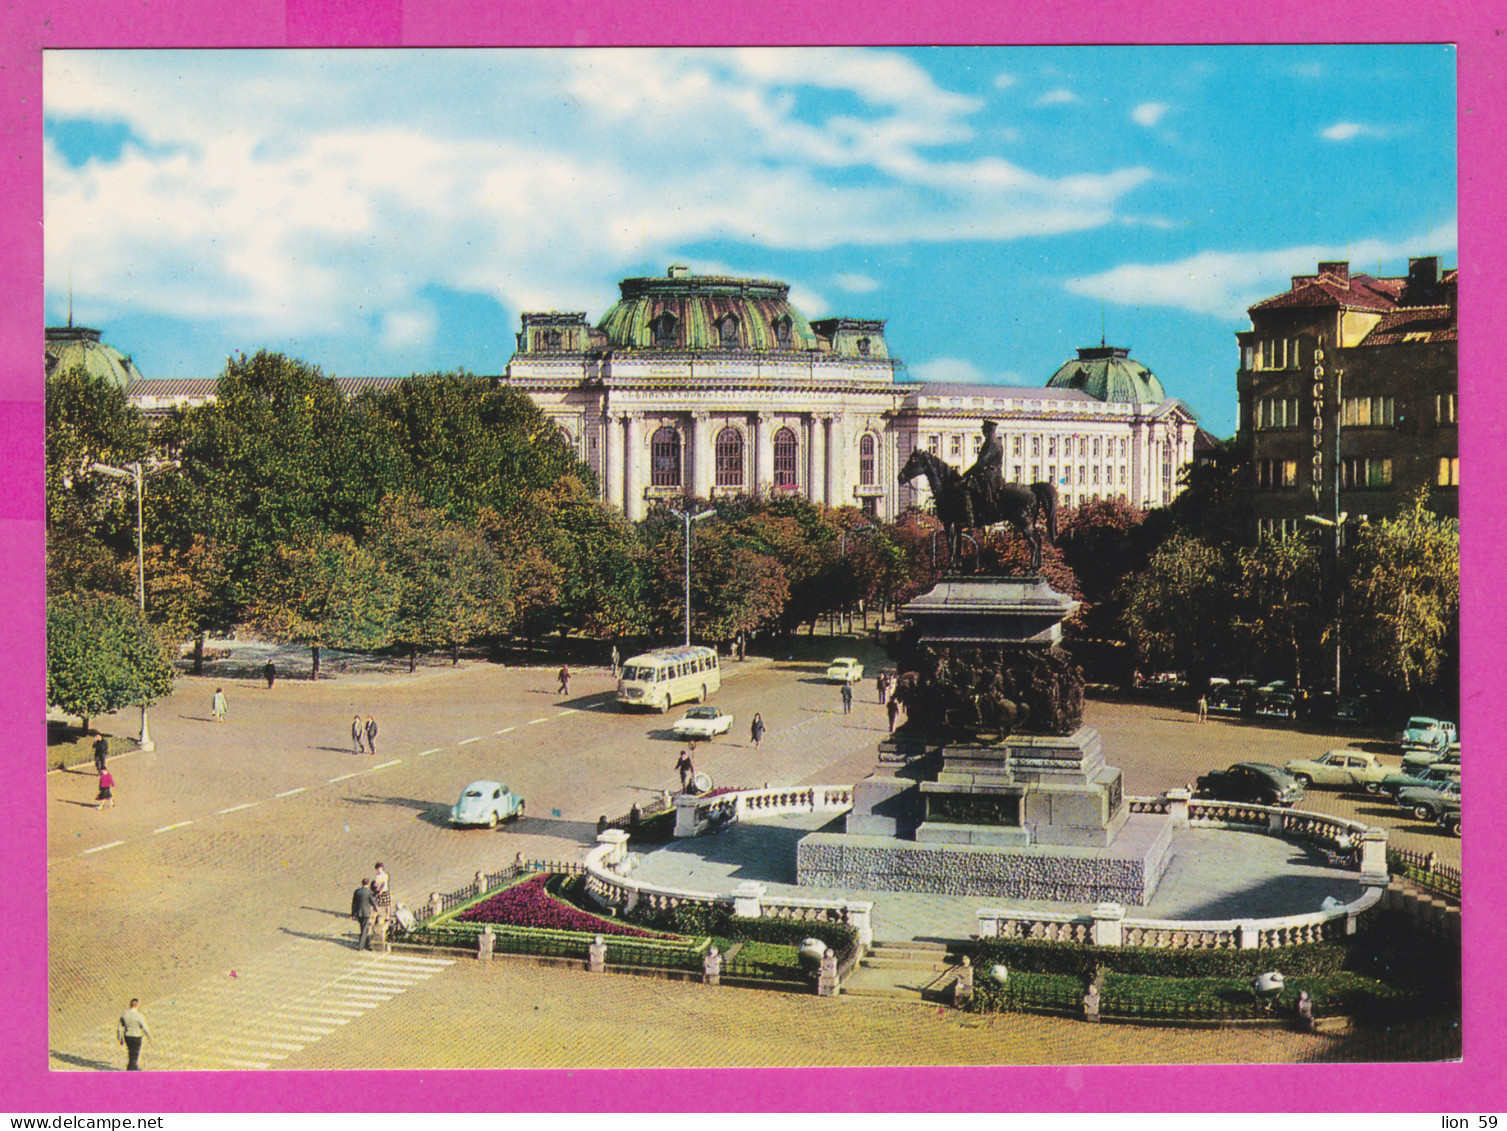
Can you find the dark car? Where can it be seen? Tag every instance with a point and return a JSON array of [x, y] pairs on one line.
[[1254, 782]]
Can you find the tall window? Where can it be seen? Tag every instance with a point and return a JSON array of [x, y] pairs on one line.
[[1361, 412], [727, 330], [871, 506], [1444, 408], [729, 458], [1362, 473], [782, 331], [664, 458], [664, 330], [866, 460], [785, 453], [1449, 471]]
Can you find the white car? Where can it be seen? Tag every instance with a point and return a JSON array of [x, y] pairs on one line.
[[486, 803], [703, 722], [845, 669]]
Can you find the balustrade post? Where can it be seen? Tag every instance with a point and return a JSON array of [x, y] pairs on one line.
[[827, 984], [1109, 924], [1373, 857], [617, 842], [436, 905], [479, 884], [711, 968], [1276, 821], [861, 919], [747, 899], [1248, 935], [989, 923], [1177, 805], [685, 814], [596, 956], [1091, 1003], [962, 986], [484, 943]]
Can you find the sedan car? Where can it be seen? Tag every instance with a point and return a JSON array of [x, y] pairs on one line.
[[1254, 782], [1425, 733], [703, 722], [1428, 803], [1410, 777], [485, 803], [845, 669], [1422, 759], [1338, 768]]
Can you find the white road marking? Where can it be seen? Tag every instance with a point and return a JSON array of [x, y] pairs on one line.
[[567, 711], [291, 792], [169, 828], [235, 808], [540, 719], [384, 765], [468, 741], [426, 753], [342, 777], [506, 730], [102, 847]]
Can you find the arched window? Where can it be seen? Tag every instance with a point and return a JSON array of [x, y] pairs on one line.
[[727, 329], [729, 458], [664, 458], [866, 460], [786, 452], [664, 328], [782, 331], [863, 347]]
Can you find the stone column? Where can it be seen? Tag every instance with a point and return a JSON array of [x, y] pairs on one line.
[[711, 968], [701, 455], [763, 451], [1177, 805], [612, 459], [484, 943], [861, 919], [816, 460], [836, 441], [633, 487], [1373, 856], [596, 956], [685, 814]]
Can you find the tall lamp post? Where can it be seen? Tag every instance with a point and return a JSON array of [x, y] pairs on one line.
[[842, 552], [687, 517], [132, 471]]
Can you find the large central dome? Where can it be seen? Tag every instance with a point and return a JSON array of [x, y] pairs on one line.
[[682, 311], [1109, 373]]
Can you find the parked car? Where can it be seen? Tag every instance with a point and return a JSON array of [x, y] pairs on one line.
[[1338, 768], [1411, 777], [1425, 733], [1279, 703], [703, 722], [1428, 803], [1253, 782], [845, 669], [1422, 759], [1449, 820], [485, 803]]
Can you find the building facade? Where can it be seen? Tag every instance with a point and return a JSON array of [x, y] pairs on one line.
[[1348, 388], [715, 385]]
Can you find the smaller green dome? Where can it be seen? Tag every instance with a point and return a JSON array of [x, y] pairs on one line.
[[68, 346], [1109, 373]]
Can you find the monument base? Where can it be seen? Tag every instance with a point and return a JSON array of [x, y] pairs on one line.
[[1126, 871]]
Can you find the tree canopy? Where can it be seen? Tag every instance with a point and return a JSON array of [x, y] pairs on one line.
[[102, 655]]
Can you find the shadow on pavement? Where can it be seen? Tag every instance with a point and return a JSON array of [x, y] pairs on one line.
[[432, 813], [345, 942], [582, 832], [84, 1061], [324, 911]]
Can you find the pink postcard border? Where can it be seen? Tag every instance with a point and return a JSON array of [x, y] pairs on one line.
[[34, 25]]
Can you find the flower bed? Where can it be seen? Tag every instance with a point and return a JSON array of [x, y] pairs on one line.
[[529, 904]]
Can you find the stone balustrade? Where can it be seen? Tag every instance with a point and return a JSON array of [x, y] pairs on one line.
[[699, 813]]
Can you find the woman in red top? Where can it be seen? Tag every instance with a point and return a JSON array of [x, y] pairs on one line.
[[106, 784]]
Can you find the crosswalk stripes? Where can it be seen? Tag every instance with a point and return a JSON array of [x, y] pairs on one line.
[[261, 1013]]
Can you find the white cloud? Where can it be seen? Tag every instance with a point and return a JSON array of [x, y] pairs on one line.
[[1224, 284], [1149, 114], [856, 284], [1345, 131], [948, 369], [295, 192], [1057, 97], [1003, 80]]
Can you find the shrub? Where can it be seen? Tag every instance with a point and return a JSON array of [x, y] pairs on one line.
[[1082, 960], [527, 904]]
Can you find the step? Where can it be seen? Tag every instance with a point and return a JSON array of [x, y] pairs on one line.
[[890, 961]]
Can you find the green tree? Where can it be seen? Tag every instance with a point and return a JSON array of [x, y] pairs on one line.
[[327, 592], [188, 592], [734, 587], [102, 655], [1280, 607], [451, 587], [1402, 598], [1177, 608]]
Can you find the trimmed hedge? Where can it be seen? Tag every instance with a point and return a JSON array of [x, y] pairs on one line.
[[1083, 960], [698, 920]]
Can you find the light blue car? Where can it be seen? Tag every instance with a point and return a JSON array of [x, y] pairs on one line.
[[485, 803]]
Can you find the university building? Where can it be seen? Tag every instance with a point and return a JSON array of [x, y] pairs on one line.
[[716, 385], [1348, 388]]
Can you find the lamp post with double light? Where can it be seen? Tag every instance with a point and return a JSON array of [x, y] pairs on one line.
[[687, 517], [133, 471]]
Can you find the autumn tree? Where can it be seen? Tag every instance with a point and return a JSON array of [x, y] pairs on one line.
[[1279, 607], [1177, 608]]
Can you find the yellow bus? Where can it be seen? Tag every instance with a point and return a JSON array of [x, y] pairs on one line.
[[659, 680]]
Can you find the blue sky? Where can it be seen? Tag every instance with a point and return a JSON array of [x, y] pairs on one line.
[[391, 212]]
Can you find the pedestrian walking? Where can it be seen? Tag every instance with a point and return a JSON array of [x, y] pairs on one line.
[[106, 786], [756, 731], [847, 698], [363, 907], [882, 680], [742, 645], [131, 1031], [269, 673], [381, 893], [217, 706], [616, 661], [371, 735], [356, 732], [687, 769], [893, 708], [101, 751], [1203, 708], [564, 679]]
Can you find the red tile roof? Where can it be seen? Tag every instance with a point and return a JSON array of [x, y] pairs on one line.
[[1357, 292], [1415, 324]]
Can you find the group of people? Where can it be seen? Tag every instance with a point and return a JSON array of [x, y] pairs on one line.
[[371, 906], [366, 732], [106, 779]]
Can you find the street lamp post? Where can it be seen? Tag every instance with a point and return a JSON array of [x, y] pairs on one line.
[[132, 471], [842, 552], [687, 517]]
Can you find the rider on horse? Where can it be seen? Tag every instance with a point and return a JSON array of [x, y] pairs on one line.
[[986, 476]]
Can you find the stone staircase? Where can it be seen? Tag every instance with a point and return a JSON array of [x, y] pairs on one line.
[[904, 971]]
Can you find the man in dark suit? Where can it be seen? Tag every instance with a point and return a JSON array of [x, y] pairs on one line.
[[986, 476], [363, 907]]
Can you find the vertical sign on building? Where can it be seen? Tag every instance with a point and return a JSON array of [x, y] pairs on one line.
[[1318, 421]]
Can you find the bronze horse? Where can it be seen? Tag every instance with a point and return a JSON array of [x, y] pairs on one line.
[[959, 504]]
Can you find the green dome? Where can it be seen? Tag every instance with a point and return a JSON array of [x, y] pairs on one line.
[[1109, 373], [705, 312], [68, 346]]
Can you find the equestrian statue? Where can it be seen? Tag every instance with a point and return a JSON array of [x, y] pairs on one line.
[[979, 497]]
